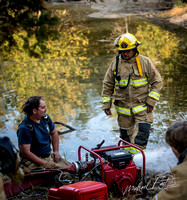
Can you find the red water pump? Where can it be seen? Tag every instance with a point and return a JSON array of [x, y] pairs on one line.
[[112, 166]]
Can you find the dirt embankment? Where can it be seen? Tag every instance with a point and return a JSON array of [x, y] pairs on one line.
[[122, 8], [176, 15], [159, 13]]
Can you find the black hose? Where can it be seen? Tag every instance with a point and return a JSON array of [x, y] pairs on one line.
[[67, 126], [40, 170], [58, 170]]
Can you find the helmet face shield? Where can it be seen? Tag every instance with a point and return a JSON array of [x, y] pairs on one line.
[[126, 42]]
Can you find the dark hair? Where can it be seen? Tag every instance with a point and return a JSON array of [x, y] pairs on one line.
[[176, 136], [31, 103]]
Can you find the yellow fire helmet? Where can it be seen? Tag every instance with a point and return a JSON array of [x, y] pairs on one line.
[[126, 42]]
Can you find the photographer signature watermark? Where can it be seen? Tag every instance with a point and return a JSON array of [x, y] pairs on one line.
[[161, 181]]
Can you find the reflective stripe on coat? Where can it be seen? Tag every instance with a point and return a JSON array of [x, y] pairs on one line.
[[141, 89]]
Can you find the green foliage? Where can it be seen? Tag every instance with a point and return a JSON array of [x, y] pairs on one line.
[[31, 17], [179, 3]]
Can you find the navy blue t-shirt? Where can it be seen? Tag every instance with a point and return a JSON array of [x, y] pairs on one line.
[[39, 138]]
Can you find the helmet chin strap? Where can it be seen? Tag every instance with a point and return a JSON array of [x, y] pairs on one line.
[[137, 52]]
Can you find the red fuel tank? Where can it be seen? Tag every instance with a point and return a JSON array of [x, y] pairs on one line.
[[85, 190]]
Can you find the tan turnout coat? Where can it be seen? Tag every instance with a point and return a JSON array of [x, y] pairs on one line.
[[176, 190], [141, 89]]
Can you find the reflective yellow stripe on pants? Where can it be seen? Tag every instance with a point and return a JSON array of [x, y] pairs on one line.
[[133, 150], [127, 111], [106, 99], [123, 110], [138, 109]]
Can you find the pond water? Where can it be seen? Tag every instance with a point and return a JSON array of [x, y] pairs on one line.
[[70, 77]]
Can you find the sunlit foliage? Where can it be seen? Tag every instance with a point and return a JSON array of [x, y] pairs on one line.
[[26, 24]]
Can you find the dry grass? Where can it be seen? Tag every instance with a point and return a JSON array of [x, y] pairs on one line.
[[176, 11]]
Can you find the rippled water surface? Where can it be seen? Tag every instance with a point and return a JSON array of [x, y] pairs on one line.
[[70, 80]]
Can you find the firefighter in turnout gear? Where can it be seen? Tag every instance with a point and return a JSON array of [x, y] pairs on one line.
[[134, 84]]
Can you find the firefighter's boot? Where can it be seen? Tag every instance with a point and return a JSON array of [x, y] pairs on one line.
[[142, 137], [123, 135]]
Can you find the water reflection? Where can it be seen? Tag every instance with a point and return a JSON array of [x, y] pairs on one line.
[[70, 78]]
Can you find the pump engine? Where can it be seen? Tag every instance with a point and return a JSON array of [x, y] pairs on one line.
[[111, 165]]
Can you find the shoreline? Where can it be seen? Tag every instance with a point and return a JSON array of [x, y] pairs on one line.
[[176, 16]]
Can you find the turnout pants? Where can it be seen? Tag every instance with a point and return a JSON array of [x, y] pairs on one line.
[[135, 128], [32, 166]]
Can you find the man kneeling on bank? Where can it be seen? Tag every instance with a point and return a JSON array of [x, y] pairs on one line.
[[36, 134], [176, 189]]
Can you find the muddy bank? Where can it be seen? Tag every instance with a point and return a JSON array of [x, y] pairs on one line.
[[155, 12], [176, 17], [161, 13]]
